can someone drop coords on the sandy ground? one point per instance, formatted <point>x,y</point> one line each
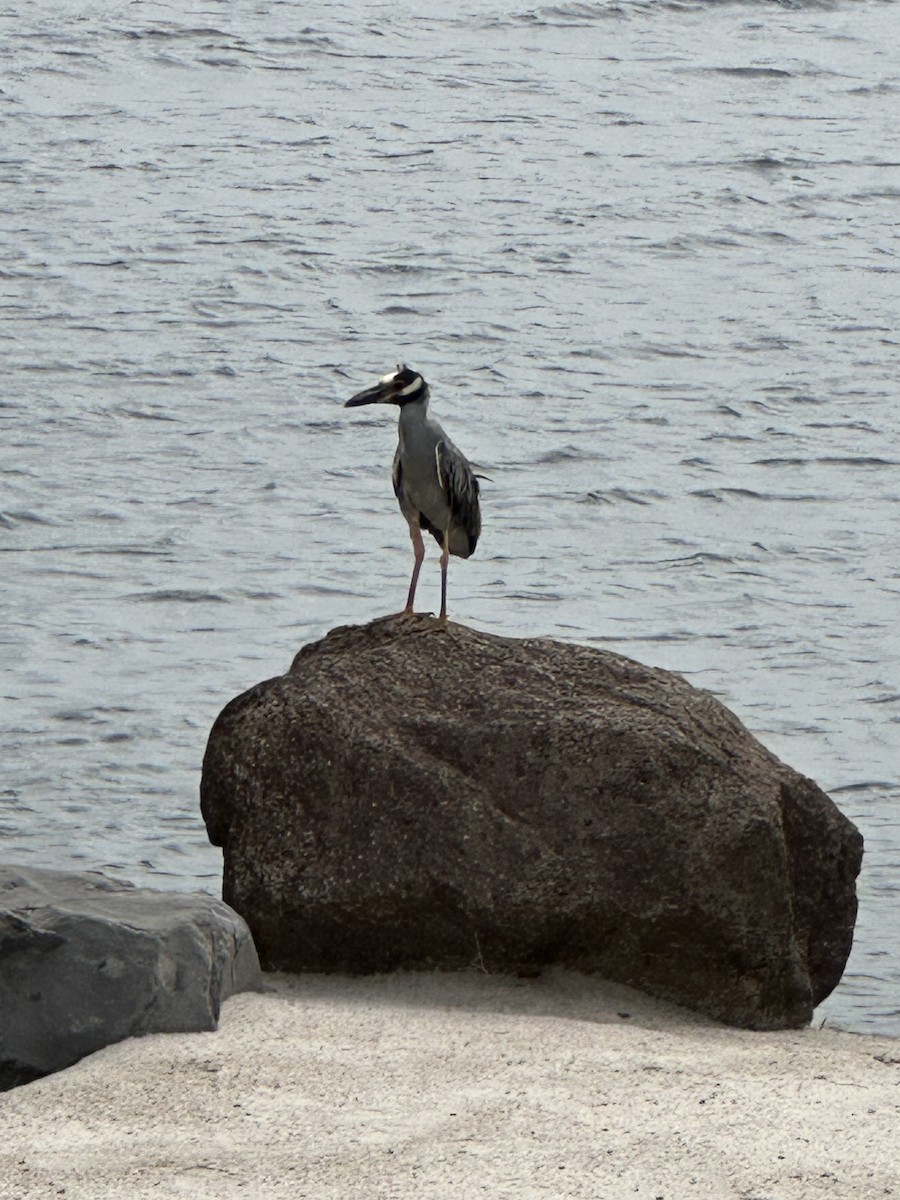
<point>458,1086</point>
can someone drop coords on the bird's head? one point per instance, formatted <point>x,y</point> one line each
<point>403,386</point>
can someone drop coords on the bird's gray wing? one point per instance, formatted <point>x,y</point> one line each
<point>397,476</point>
<point>460,488</point>
<point>408,509</point>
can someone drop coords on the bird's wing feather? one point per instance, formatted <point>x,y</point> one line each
<point>460,487</point>
<point>408,509</point>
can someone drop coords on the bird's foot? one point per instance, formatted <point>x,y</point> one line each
<point>426,620</point>
<point>439,624</point>
<point>411,612</point>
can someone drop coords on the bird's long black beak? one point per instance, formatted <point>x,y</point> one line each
<point>379,393</point>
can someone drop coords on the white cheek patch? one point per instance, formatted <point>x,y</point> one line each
<point>411,387</point>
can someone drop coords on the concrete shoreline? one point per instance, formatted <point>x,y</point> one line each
<point>458,1086</point>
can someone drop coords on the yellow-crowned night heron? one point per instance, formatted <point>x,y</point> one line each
<point>433,482</point>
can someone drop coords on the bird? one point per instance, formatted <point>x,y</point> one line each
<point>433,481</point>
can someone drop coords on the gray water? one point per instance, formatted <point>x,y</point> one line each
<point>645,253</point>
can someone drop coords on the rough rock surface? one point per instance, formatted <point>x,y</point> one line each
<point>86,961</point>
<point>407,796</point>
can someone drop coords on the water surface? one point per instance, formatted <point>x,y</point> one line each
<point>645,253</point>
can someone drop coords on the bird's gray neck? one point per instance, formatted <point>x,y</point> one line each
<point>414,412</point>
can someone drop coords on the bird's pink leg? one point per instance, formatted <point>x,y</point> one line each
<point>415,535</point>
<point>445,558</point>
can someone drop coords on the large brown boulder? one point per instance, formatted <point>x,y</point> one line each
<point>411,796</point>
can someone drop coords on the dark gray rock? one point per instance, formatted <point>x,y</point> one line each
<point>407,797</point>
<point>86,961</point>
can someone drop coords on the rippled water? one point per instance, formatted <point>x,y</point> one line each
<point>645,253</point>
